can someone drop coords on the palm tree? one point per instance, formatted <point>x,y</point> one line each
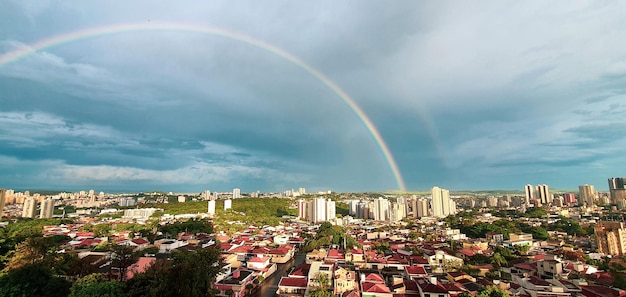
<point>498,260</point>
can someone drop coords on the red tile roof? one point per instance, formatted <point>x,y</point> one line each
<point>241,249</point>
<point>258,260</point>
<point>140,241</point>
<point>415,269</point>
<point>297,282</point>
<point>373,277</point>
<point>375,288</point>
<point>140,267</point>
<point>302,270</point>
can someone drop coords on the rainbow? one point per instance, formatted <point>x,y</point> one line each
<point>154,26</point>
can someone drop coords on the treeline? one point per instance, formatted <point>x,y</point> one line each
<point>510,223</point>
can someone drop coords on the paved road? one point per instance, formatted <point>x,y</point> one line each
<point>270,285</point>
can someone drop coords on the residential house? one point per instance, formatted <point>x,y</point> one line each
<point>373,285</point>
<point>430,287</point>
<point>345,280</point>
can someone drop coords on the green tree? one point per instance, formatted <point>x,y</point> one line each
<point>188,273</point>
<point>493,291</point>
<point>323,281</point>
<point>102,230</point>
<point>33,280</point>
<point>97,285</point>
<point>122,257</point>
<point>498,260</point>
<point>321,293</point>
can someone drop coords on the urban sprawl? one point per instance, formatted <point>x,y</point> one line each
<point>534,242</point>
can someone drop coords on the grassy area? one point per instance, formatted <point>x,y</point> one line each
<point>248,211</point>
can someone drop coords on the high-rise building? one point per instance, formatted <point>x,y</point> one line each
<point>543,194</point>
<point>211,207</point>
<point>301,209</point>
<point>302,191</point>
<point>397,212</point>
<point>569,199</point>
<point>530,193</point>
<point>29,210</point>
<point>354,207</point>
<point>206,195</point>
<point>380,210</point>
<point>3,200</point>
<point>47,208</point>
<point>236,193</point>
<point>320,210</point>
<point>617,189</point>
<point>492,201</point>
<point>441,204</point>
<point>422,207</point>
<point>587,195</point>
<point>611,238</point>
<point>436,202</point>
<point>228,204</point>
<point>331,210</point>
<point>412,207</point>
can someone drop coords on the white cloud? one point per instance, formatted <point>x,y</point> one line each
<point>196,174</point>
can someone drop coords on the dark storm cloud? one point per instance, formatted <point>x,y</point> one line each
<point>492,95</point>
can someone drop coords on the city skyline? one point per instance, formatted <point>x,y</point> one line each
<point>353,97</point>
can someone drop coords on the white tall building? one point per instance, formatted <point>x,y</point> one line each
<point>236,193</point>
<point>211,207</point>
<point>436,202</point>
<point>228,204</point>
<point>331,210</point>
<point>30,208</point>
<point>47,209</point>
<point>441,204</point>
<point>319,210</point>
<point>302,209</point>
<point>302,191</point>
<point>206,195</point>
<point>380,210</point>
<point>397,212</point>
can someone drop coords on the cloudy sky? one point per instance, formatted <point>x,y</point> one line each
<point>480,95</point>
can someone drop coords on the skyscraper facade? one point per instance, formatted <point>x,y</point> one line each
<point>47,208</point>
<point>611,238</point>
<point>441,204</point>
<point>530,193</point>
<point>320,210</point>
<point>380,209</point>
<point>301,209</point>
<point>543,194</point>
<point>29,209</point>
<point>236,193</point>
<point>587,195</point>
<point>617,191</point>
<point>211,207</point>
<point>436,202</point>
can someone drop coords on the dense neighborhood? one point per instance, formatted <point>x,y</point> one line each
<point>145,251</point>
